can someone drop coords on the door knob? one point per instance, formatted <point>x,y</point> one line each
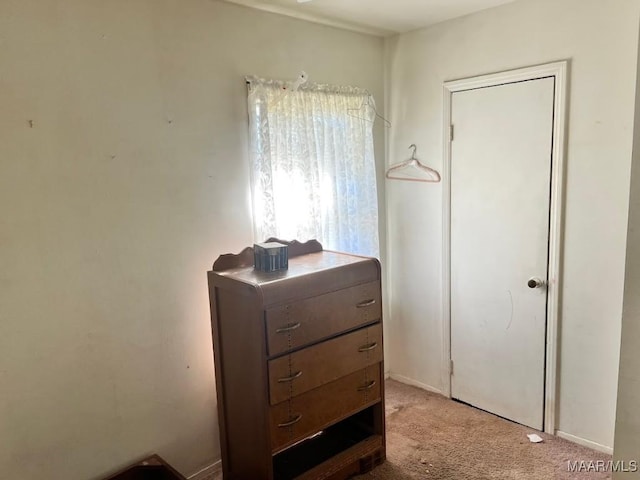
<point>535,282</point>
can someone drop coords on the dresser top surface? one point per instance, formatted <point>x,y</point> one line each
<point>298,266</point>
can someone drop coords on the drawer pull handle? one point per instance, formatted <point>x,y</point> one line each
<point>293,421</point>
<point>367,348</point>
<point>291,378</point>
<point>368,386</point>
<point>288,328</point>
<point>366,303</point>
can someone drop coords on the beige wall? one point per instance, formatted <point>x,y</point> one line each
<point>600,39</point>
<point>627,440</point>
<point>132,180</point>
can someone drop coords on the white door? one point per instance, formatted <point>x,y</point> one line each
<point>500,196</point>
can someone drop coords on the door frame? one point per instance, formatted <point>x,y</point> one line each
<point>559,71</point>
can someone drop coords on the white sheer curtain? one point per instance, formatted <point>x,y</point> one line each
<point>313,166</point>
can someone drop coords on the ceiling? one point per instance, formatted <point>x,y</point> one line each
<point>377,17</point>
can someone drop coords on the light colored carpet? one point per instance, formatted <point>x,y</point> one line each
<point>432,437</point>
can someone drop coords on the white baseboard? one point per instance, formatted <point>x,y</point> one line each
<point>584,442</point>
<point>414,383</point>
<point>207,472</point>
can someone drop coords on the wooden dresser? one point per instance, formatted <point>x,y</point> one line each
<point>299,365</point>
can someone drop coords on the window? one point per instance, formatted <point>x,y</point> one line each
<point>313,166</point>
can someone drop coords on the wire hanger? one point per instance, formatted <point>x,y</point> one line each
<point>412,170</point>
<point>360,112</point>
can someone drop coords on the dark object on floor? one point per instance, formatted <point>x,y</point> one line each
<point>152,468</point>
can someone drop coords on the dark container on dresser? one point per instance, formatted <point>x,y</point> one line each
<point>299,367</point>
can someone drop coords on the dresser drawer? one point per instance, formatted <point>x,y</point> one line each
<point>306,414</point>
<point>307,321</point>
<point>301,371</point>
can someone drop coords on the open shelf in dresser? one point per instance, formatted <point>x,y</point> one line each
<point>333,449</point>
